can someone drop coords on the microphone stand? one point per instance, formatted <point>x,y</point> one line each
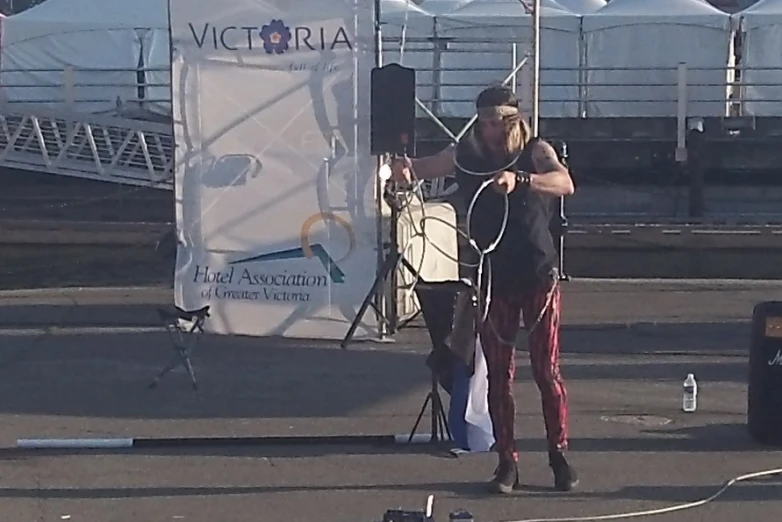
<point>560,228</point>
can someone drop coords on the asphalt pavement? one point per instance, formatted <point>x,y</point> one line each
<point>75,363</point>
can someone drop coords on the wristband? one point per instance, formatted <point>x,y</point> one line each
<point>523,178</point>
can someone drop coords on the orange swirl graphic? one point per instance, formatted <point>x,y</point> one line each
<point>325,216</point>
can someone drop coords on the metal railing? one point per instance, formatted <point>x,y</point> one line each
<point>451,71</point>
<point>449,77</point>
<point>94,90</point>
<point>52,133</point>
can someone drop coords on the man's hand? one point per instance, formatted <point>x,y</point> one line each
<point>400,170</point>
<point>505,182</point>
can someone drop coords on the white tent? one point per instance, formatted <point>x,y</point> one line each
<point>760,49</point>
<point>582,6</point>
<point>483,34</point>
<point>634,47</point>
<point>114,36</point>
<point>407,28</point>
<point>405,13</point>
<point>439,7</point>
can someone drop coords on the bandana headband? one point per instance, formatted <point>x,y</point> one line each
<point>497,112</point>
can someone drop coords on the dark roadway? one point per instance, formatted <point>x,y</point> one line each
<point>627,349</point>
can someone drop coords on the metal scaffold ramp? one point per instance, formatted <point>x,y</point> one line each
<point>95,147</point>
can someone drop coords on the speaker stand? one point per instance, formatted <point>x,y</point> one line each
<point>438,418</point>
<point>561,228</point>
<point>393,258</point>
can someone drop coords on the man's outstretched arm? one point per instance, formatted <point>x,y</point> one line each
<point>426,168</point>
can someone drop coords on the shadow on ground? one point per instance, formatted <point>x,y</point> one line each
<point>105,375</point>
<point>99,374</point>
<point>764,489</point>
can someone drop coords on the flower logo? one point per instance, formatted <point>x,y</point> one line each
<point>276,36</point>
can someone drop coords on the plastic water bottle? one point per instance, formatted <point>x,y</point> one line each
<point>690,402</point>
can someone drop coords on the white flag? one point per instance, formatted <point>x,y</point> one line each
<point>480,431</point>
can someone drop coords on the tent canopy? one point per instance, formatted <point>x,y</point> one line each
<point>408,19</point>
<point>763,6</point>
<point>582,6</point>
<point>481,53</point>
<point>762,75</point>
<point>640,44</point>
<point>765,12</point>
<point>401,9</point>
<point>104,42</point>
<point>438,7</point>
<point>511,15</point>
<point>62,16</point>
<point>682,12</point>
<point>406,13</point>
<point>500,8</point>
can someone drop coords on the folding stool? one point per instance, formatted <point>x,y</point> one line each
<point>184,329</point>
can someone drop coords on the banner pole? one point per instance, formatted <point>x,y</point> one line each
<point>380,296</point>
<point>536,69</point>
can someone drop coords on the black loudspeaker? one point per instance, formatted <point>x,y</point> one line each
<point>393,110</point>
<point>764,404</point>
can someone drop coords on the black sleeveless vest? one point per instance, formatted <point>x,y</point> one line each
<point>526,256</point>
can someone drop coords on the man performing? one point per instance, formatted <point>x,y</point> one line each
<point>524,279</point>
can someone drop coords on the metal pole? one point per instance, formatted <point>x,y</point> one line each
<point>438,47</point>
<point>583,93</point>
<point>681,113</point>
<point>536,68</point>
<point>380,297</point>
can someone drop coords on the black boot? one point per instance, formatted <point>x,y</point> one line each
<point>506,477</point>
<point>565,477</point>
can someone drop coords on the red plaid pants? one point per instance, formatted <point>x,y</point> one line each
<point>505,313</point>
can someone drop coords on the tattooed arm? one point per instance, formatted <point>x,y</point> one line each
<point>553,178</point>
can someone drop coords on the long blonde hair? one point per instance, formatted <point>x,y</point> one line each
<point>517,132</point>
<point>517,135</point>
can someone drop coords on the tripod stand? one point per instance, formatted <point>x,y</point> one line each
<point>393,258</point>
<point>440,430</point>
<point>437,302</point>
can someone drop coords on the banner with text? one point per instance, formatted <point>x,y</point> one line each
<point>275,207</point>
